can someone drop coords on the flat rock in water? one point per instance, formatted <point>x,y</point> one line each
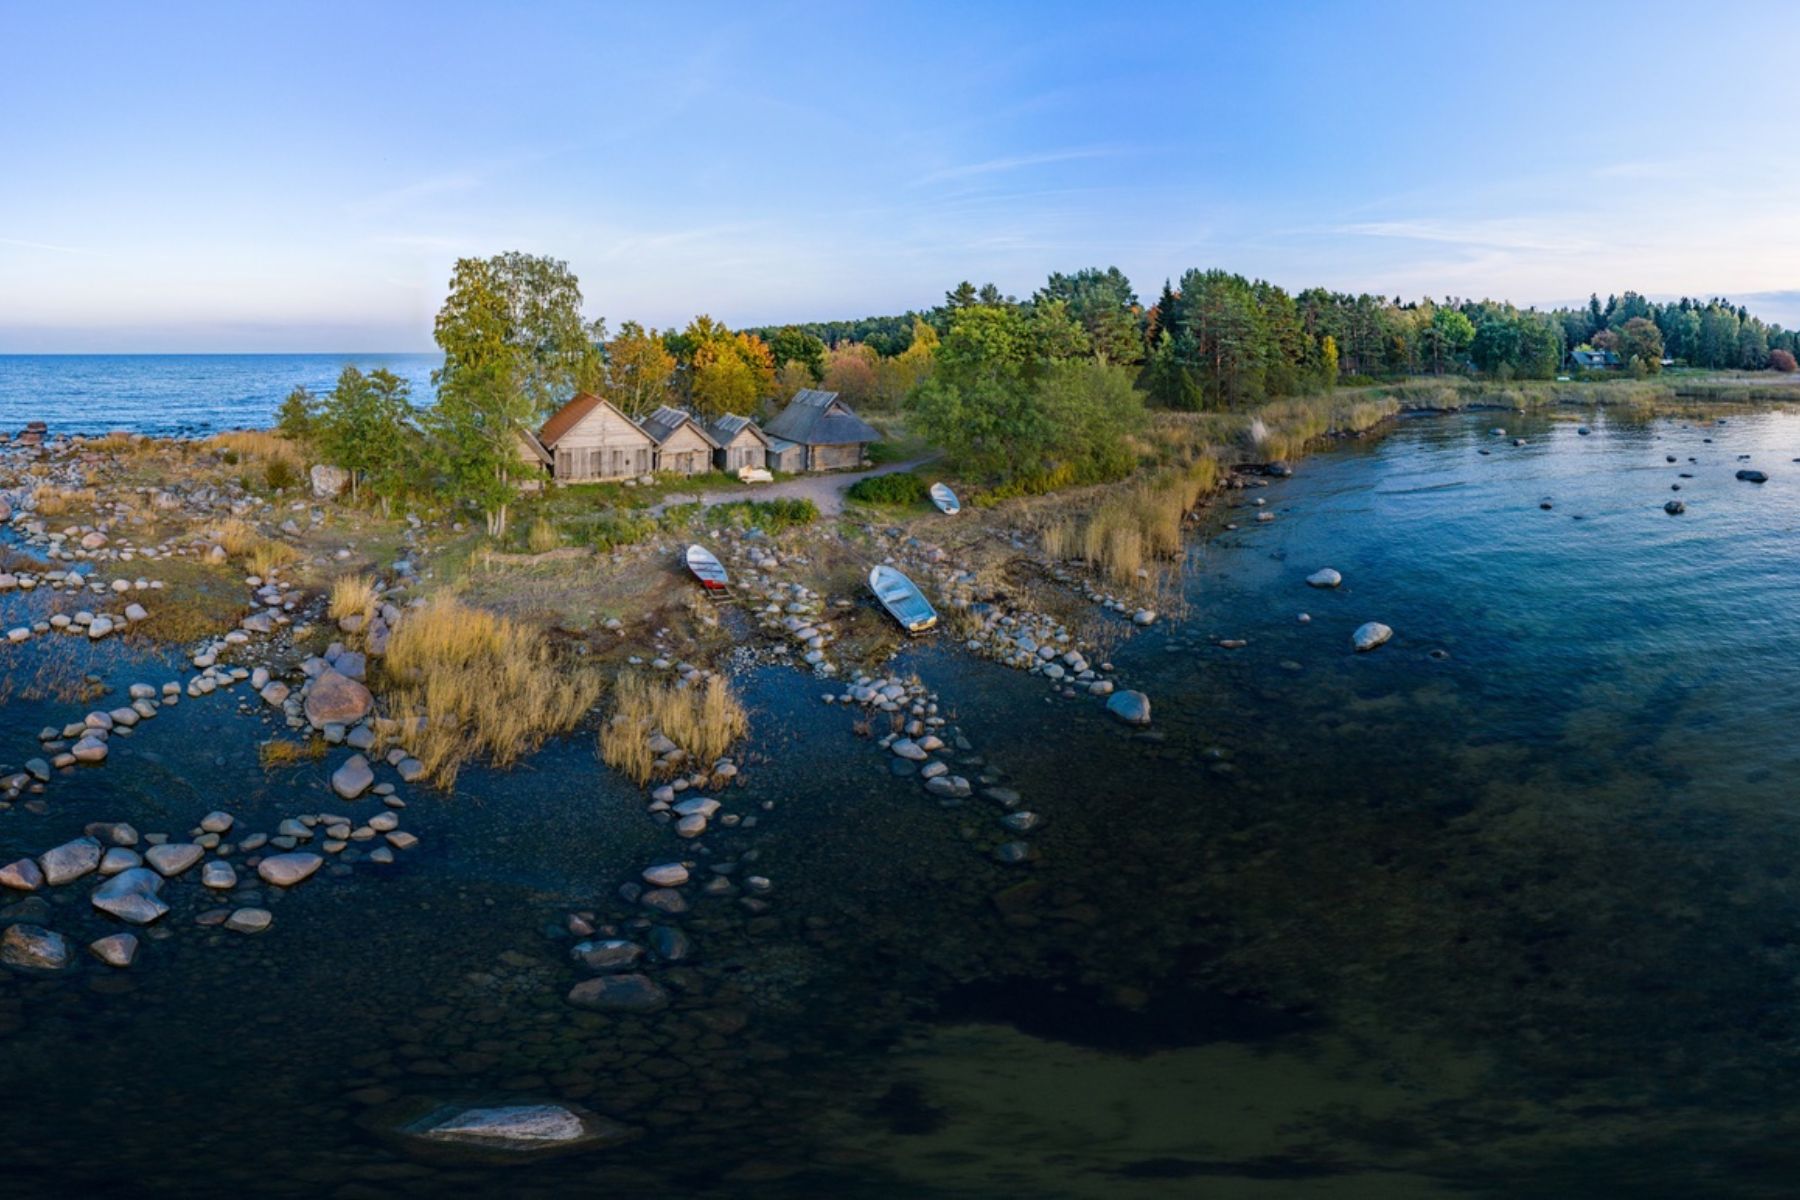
<point>285,870</point>
<point>132,896</point>
<point>172,858</point>
<point>353,778</point>
<point>1131,707</point>
<point>34,948</point>
<point>513,1130</point>
<point>619,993</point>
<point>1752,476</point>
<point>249,920</point>
<point>115,949</point>
<point>1325,577</point>
<point>1370,635</point>
<point>22,876</point>
<point>71,860</point>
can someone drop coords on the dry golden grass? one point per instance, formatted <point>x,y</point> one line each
<point>118,444</point>
<point>351,596</point>
<point>52,501</point>
<point>281,752</point>
<point>258,444</point>
<point>260,555</point>
<point>469,682</point>
<point>703,721</point>
<point>269,556</point>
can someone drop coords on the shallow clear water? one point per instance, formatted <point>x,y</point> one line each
<point>164,394</point>
<point>1518,920</point>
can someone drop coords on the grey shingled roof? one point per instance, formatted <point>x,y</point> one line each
<point>730,425</point>
<point>665,421</point>
<point>809,420</point>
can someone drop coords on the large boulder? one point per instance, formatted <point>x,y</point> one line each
<point>328,481</point>
<point>336,699</point>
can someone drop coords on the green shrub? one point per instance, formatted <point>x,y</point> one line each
<point>770,516</point>
<point>899,488</point>
<point>280,474</point>
<point>614,529</point>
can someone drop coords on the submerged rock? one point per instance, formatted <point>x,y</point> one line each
<point>1131,707</point>
<point>34,948</point>
<point>619,993</point>
<point>1370,635</point>
<point>498,1132</point>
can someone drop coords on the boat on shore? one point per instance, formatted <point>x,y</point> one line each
<point>903,600</point>
<point>945,499</point>
<point>708,569</point>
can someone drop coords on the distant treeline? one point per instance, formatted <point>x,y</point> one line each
<point>1213,339</point>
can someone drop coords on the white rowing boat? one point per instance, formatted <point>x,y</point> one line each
<point>707,569</point>
<point>945,499</point>
<point>902,599</point>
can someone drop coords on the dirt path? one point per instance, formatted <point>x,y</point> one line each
<point>826,491</point>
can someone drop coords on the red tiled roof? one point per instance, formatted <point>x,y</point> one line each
<point>567,417</point>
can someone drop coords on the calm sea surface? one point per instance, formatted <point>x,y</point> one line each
<point>176,393</point>
<point>1510,907</point>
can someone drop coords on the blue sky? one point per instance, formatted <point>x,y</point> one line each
<point>179,177</point>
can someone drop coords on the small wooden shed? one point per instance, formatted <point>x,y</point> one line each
<point>591,440</point>
<point>741,443</point>
<point>832,437</point>
<point>683,447</point>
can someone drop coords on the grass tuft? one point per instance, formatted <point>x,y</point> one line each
<point>703,721</point>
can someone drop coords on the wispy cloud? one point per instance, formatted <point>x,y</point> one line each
<point>1496,234</point>
<point>28,245</point>
<point>1019,162</point>
<point>396,199</point>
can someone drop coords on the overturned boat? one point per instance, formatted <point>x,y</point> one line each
<point>902,599</point>
<point>708,569</point>
<point>945,499</point>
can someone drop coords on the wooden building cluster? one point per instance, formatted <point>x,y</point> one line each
<point>590,440</point>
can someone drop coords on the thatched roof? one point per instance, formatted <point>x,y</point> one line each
<point>815,418</point>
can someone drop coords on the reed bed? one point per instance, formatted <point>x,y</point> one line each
<point>703,721</point>
<point>468,682</point>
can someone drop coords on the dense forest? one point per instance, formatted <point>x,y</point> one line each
<point>1218,340</point>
